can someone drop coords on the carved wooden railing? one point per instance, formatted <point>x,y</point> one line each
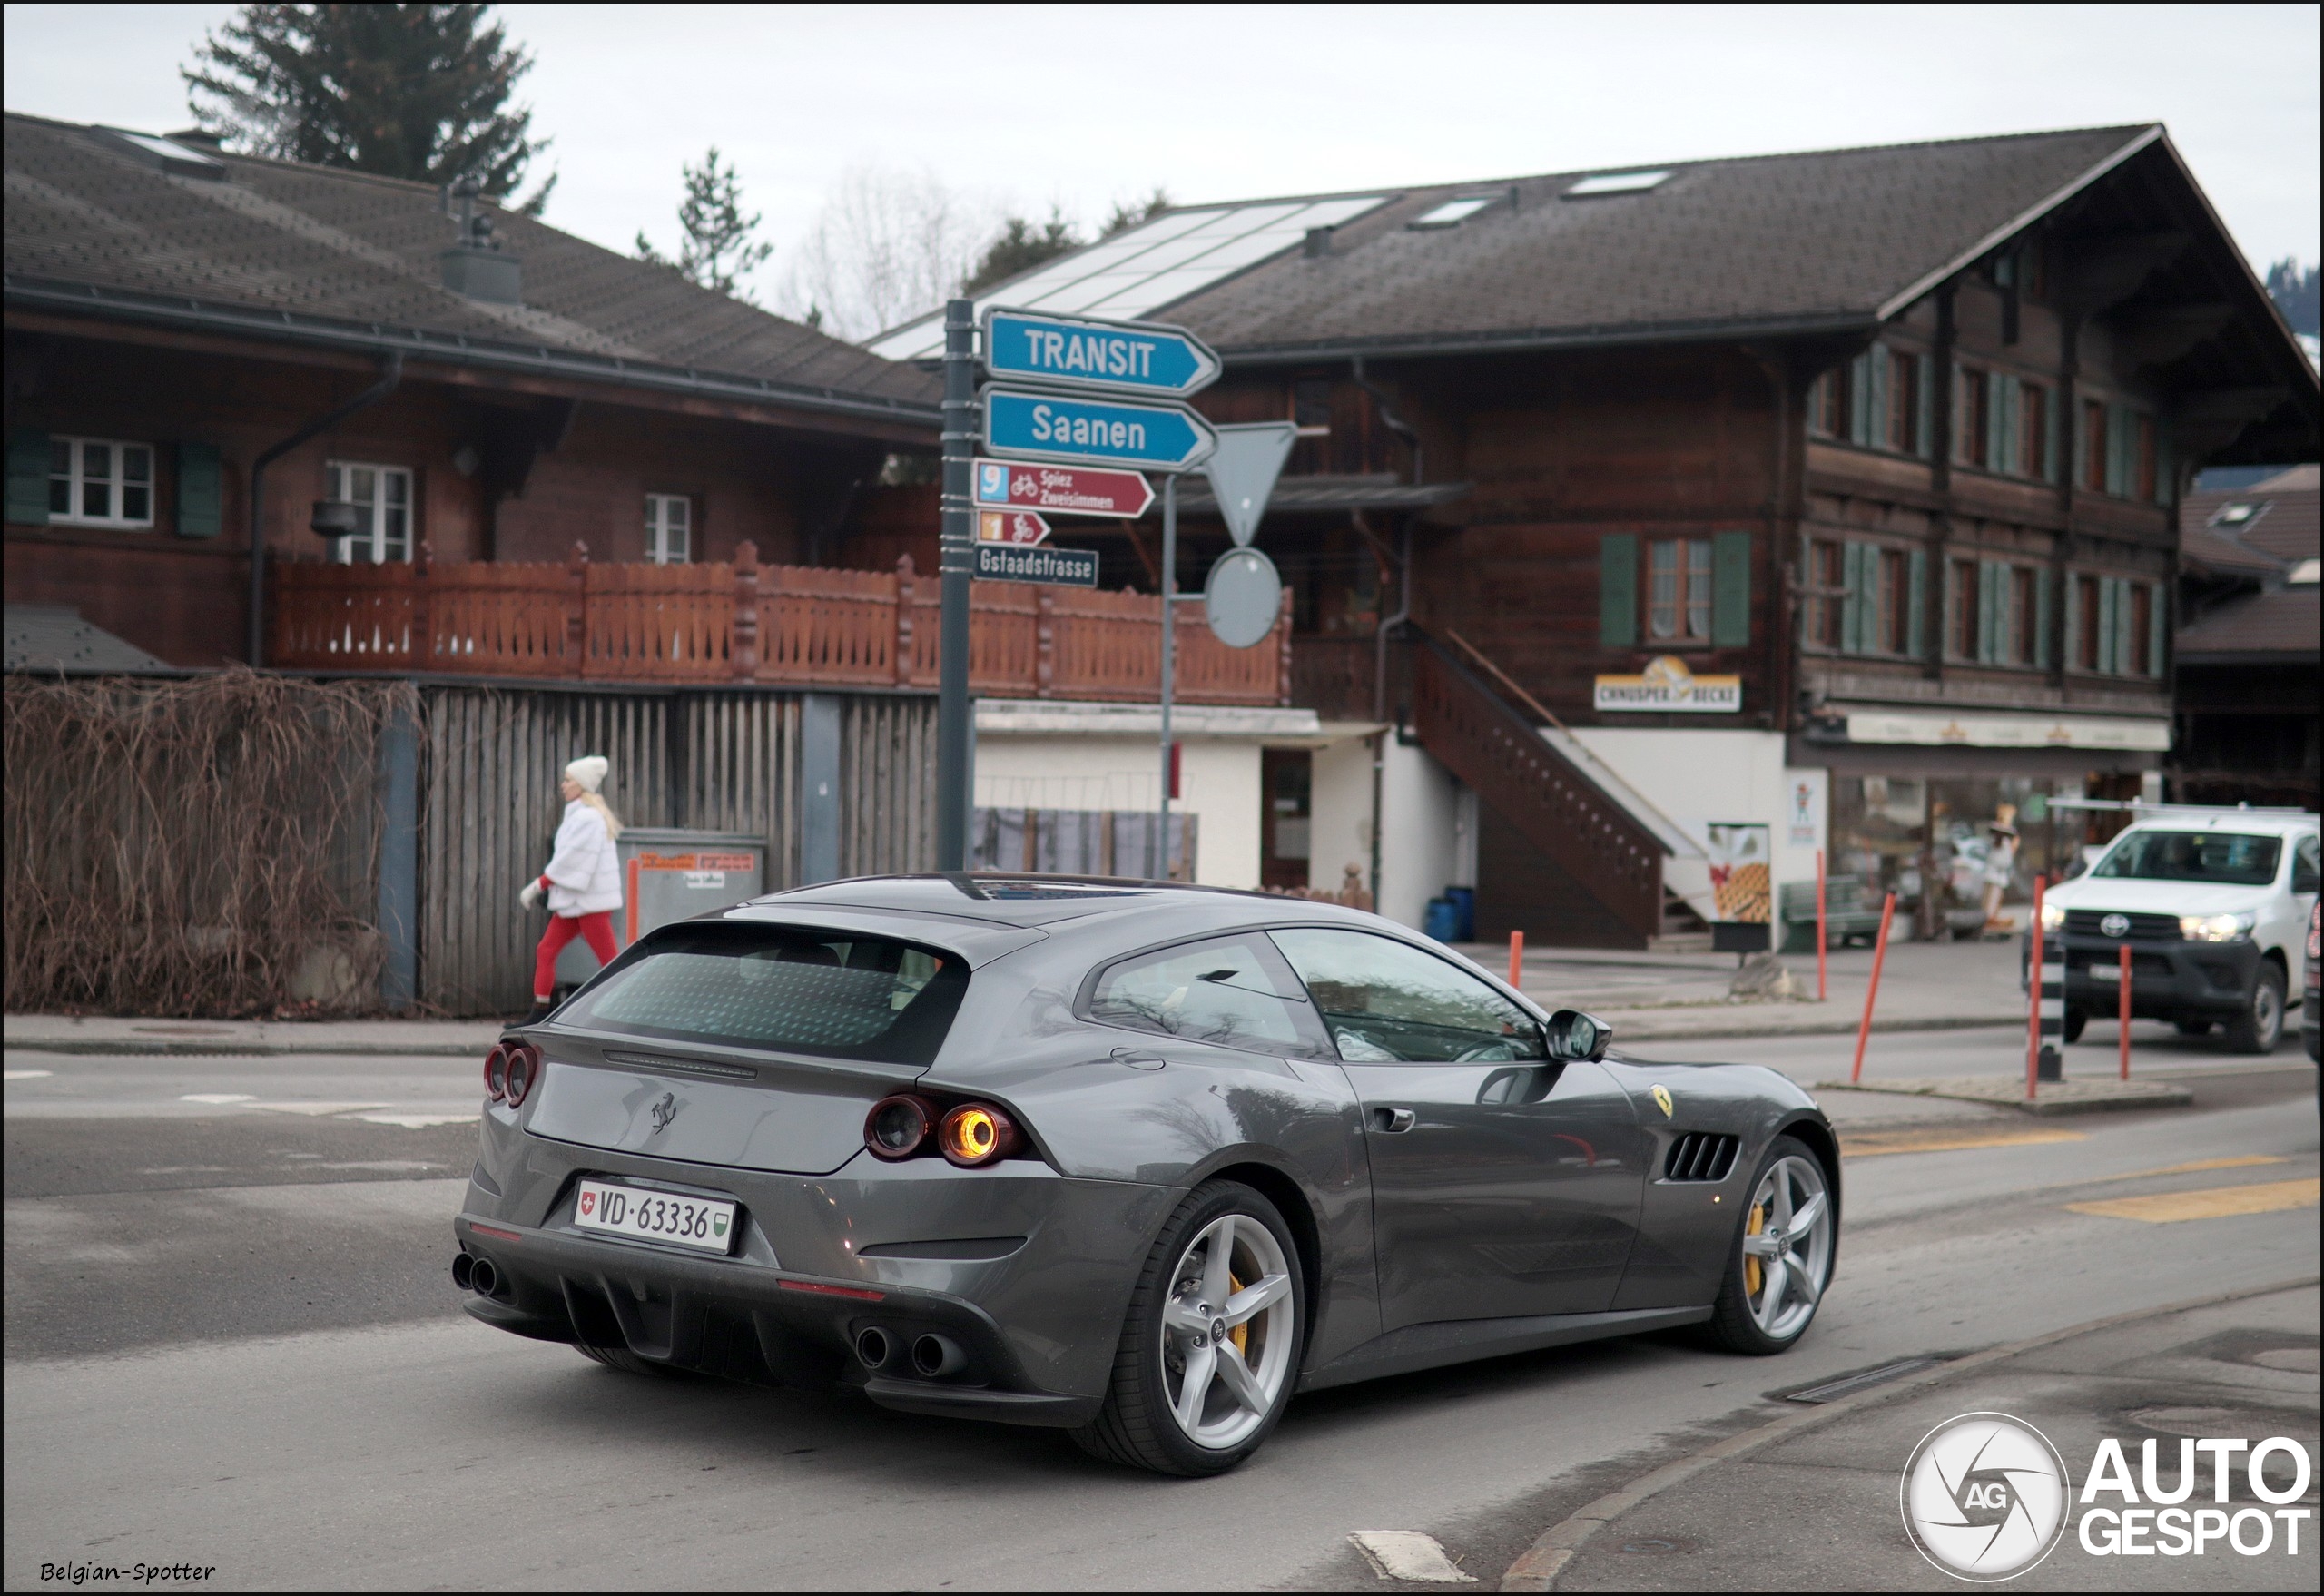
<point>790,626</point>
<point>1569,817</point>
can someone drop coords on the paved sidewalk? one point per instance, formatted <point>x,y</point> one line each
<point>1810,1500</point>
<point>60,1033</point>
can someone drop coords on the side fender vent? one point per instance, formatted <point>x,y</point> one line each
<point>1701,1155</point>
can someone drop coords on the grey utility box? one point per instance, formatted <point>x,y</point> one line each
<point>668,874</point>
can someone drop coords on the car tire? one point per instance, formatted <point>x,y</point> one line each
<point>1742,1319</point>
<point>2075,1020</point>
<point>2258,1025</point>
<point>626,1361</point>
<point>1140,1424</point>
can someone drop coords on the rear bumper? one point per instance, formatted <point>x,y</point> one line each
<point>2168,979</point>
<point>734,1318</point>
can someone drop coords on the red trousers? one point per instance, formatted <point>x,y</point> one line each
<point>596,929</point>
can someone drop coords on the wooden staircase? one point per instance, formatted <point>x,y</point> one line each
<point>1603,851</point>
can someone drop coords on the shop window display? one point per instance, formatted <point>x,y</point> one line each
<point>1961,855</point>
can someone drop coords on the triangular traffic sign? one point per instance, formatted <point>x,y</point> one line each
<point>1243,469</point>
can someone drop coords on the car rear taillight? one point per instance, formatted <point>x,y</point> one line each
<point>496,1072</point>
<point>524,1069</point>
<point>897,1127</point>
<point>976,1134</point>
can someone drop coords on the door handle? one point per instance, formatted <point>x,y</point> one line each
<point>1394,1121</point>
<point>1137,1059</point>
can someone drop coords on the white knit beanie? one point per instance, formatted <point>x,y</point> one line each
<point>589,770</point>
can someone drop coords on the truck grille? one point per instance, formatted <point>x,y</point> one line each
<point>2144,928</point>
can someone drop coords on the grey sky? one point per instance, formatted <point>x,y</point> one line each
<point>1082,105</point>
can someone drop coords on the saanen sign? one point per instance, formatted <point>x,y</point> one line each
<point>1667,686</point>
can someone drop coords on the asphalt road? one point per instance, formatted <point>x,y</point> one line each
<point>231,1342</point>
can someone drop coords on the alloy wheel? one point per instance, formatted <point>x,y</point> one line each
<point>1229,1335</point>
<point>1787,1247</point>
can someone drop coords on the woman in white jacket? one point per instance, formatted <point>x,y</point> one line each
<point>583,880</point>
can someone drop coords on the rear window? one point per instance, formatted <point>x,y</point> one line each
<point>2229,859</point>
<point>784,988</point>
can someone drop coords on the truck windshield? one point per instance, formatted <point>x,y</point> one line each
<point>791,989</point>
<point>2227,859</point>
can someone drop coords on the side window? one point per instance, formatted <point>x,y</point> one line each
<point>2303,866</point>
<point>1232,993</point>
<point>1384,1002</point>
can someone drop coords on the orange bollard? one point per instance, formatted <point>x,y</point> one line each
<point>2034,992</point>
<point>1517,959</point>
<point>1821,992</point>
<point>1879,954</point>
<point>2125,1001</point>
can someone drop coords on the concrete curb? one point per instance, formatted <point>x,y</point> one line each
<point>1538,1566</point>
<point>2096,1097</point>
<point>1821,1027</point>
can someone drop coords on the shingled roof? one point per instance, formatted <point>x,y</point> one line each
<point>291,250</point>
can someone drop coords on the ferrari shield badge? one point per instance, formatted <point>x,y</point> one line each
<point>1662,1100</point>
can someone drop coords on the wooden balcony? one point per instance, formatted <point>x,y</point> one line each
<point>746,623</point>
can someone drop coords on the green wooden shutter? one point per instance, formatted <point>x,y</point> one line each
<point>2157,628</point>
<point>1876,416</point>
<point>2071,648</point>
<point>1988,612</point>
<point>202,494</point>
<point>1996,444</point>
<point>1860,399</point>
<point>1852,606</point>
<point>2013,413</point>
<point>28,477</point>
<point>1916,601</point>
<point>2122,448</point>
<point>1925,409</point>
<point>1730,590</point>
<point>2059,446</point>
<point>2107,634</point>
<point>2125,656</point>
<point>2044,589</point>
<point>2165,483</point>
<point>1617,591</point>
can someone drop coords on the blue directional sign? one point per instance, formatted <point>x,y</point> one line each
<point>1121,357</point>
<point>1054,426</point>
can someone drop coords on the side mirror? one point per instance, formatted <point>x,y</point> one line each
<point>1575,1035</point>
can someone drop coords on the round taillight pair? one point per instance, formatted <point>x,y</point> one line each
<point>509,1071</point>
<point>969,1136</point>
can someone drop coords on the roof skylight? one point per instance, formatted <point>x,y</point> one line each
<point>1453,212</point>
<point>1616,182</point>
<point>2304,573</point>
<point>2239,512</point>
<point>1148,267</point>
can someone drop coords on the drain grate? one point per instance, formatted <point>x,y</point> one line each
<point>1849,1385</point>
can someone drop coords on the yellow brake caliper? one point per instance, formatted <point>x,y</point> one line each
<point>1240,1334</point>
<point>1755,1223</point>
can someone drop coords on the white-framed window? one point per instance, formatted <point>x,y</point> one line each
<point>381,496</point>
<point>100,482</point>
<point>669,529</point>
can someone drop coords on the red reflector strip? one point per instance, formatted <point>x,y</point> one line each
<point>495,1235</point>
<point>817,1285</point>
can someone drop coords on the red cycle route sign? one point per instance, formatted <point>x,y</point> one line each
<point>1011,527</point>
<point>1068,490</point>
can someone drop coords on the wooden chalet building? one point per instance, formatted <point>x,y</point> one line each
<point>1832,493</point>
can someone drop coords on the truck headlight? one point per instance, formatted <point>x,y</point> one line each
<point>2053,918</point>
<point>2218,928</point>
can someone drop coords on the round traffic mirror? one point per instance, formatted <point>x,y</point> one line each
<point>1242,597</point>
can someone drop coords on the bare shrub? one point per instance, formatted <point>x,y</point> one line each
<point>197,847</point>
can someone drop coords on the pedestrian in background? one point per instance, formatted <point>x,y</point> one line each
<point>583,880</point>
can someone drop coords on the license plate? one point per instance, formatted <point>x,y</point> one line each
<point>2105,971</point>
<point>655,1216</point>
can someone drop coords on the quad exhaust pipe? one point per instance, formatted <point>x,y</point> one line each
<point>477,1275</point>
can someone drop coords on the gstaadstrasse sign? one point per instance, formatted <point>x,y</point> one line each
<point>1667,686</point>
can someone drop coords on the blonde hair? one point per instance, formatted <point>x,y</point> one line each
<point>613,820</point>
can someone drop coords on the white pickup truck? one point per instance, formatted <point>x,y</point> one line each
<point>2213,904</point>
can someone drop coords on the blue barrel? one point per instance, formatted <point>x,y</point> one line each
<point>1442,920</point>
<point>1464,908</point>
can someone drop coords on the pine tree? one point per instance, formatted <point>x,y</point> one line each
<point>1020,247</point>
<point>412,91</point>
<point>1128,214</point>
<point>718,249</point>
<point>2293,288</point>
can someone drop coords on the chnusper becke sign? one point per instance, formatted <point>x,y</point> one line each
<point>1667,686</point>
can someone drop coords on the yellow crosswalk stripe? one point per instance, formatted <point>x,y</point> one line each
<point>1873,1144</point>
<point>2240,1161</point>
<point>2218,1202</point>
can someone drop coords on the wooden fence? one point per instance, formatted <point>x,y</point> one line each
<point>746,623</point>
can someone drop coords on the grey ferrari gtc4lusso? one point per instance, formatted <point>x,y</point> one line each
<point>1133,1159</point>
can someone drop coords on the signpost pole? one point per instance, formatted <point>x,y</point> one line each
<point>958,539</point>
<point>1170,603</point>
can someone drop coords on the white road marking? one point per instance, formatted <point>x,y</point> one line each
<point>316,1110</point>
<point>26,1074</point>
<point>1407,1554</point>
<point>217,1099</point>
<point>418,1121</point>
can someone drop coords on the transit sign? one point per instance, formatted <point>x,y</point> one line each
<point>1061,490</point>
<point>1018,527</point>
<point>1072,351</point>
<point>1070,567</point>
<point>1161,436</point>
